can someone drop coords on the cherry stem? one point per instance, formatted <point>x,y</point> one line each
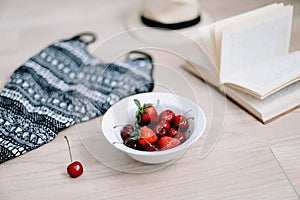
<point>192,118</point>
<point>189,133</point>
<point>116,143</point>
<point>147,141</point>
<point>157,103</point>
<point>187,112</point>
<point>116,126</point>
<point>69,148</point>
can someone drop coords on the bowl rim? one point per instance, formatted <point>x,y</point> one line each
<point>193,137</point>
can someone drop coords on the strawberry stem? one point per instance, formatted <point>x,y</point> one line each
<point>70,154</point>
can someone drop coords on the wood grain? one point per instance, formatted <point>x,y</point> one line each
<point>238,157</point>
<point>288,158</point>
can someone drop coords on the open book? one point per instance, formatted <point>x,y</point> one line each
<point>248,60</point>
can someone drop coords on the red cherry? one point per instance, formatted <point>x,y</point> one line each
<point>161,129</point>
<point>181,122</point>
<point>166,125</point>
<point>131,143</point>
<point>74,169</point>
<point>172,132</point>
<point>126,131</point>
<point>181,137</point>
<point>153,147</point>
<point>166,115</point>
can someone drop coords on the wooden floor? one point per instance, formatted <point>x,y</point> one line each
<point>238,157</point>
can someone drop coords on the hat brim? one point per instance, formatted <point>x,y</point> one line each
<point>159,35</point>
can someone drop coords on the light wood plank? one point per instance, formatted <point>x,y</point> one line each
<point>249,161</point>
<point>289,159</point>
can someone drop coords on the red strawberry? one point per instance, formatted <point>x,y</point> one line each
<point>168,142</point>
<point>145,114</point>
<point>147,136</point>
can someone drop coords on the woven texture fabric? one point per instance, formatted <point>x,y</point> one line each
<point>60,86</point>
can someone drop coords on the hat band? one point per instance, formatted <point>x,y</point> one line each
<point>174,26</point>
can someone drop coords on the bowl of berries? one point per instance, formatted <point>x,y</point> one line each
<point>153,127</point>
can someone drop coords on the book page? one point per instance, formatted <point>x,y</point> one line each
<point>270,107</point>
<point>268,77</point>
<point>218,26</point>
<point>202,63</point>
<point>204,37</point>
<point>208,75</point>
<point>250,42</point>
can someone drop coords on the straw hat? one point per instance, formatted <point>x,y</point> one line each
<point>161,16</point>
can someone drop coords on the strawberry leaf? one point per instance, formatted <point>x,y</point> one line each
<point>137,102</point>
<point>138,117</point>
<point>135,135</point>
<point>141,110</point>
<point>147,105</point>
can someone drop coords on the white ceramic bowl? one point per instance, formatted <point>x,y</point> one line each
<point>123,113</point>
